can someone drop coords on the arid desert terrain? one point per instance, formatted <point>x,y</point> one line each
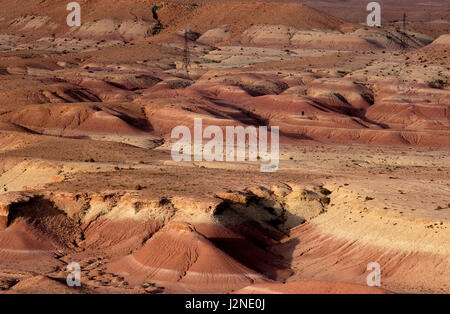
<point>87,175</point>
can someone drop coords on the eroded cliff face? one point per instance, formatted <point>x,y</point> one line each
<point>255,237</point>
<point>218,244</point>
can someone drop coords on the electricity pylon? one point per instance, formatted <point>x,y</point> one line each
<point>186,54</point>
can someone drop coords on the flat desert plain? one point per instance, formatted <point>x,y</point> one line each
<point>86,168</point>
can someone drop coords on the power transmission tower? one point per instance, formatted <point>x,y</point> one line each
<point>186,54</point>
<point>404,22</point>
<point>403,45</point>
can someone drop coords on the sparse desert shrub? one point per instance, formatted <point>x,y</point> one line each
<point>164,201</point>
<point>438,84</point>
<point>325,200</point>
<point>324,191</point>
